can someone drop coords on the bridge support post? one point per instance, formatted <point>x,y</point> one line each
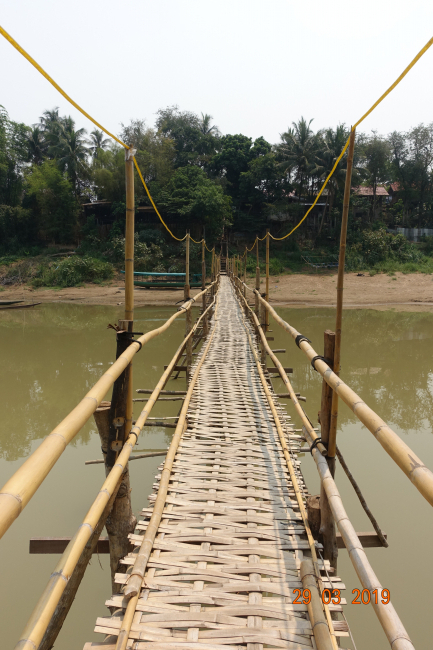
<point>256,298</point>
<point>332,447</point>
<point>113,430</point>
<point>327,524</point>
<point>188,315</point>
<point>267,281</point>
<point>203,283</point>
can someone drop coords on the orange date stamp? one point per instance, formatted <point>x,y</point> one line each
<point>333,596</point>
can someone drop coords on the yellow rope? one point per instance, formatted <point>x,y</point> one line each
<point>385,94</point>
<point>13,42</point>
<point>30,59</point>
<point>153,203</point>
<point>18,47</point>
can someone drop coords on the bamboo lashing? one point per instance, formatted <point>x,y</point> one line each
<point>42,613</point>
<point>19,489</point>
<point>388,617</point>
<point>332,443</point>
<point>402,454</point>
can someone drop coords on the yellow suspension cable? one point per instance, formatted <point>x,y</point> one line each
<point>370,110</point>
<point>13,42</point>
<point>153,203</point>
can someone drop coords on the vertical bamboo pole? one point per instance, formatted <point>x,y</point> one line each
<point>257,302</point>
<point>129,234</point>
<point>327,524</point>
<point>129,270</point>
<point>245,271</point>
<point>332,444</point>
<point>188,315</point>
<point>267,281</point>
<point>203,283</point>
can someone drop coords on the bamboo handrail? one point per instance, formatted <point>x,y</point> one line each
<point>420,475</point>
<point>40,618</point>
<point>133,586</point>
<point>388,617</point>
<point>19,489</point>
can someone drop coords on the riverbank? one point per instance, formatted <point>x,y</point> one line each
<point>402,292</point>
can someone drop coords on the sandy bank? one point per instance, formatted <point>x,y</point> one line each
<point>412,292</point>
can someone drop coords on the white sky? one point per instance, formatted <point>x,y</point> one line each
<point>254,65</point>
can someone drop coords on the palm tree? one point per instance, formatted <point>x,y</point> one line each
<point>297,152</point>
<point>205,126</point>
<point>332,145</point>
<point>37,145</point>
<point>97,142</point>
<point>71,151</point>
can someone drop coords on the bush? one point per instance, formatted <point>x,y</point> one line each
<point>275,266</point>
<point>73,271</point>
<point>377,246</point>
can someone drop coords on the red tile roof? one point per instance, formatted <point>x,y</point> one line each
<point>368,191</point>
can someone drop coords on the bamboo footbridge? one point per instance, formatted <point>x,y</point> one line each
<point>232,540</point>
<point>233,552</point>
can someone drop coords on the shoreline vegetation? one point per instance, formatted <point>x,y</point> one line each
<point>62,190</point>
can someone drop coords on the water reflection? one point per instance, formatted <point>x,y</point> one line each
<point>387,358</point>
<point>52,356</point>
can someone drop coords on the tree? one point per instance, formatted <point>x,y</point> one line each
<point>333,142</point>
<point>193,146</point>
<point>298,153</point>
<point>97,142</point>
<point>71,152</point>
<point>37,145</point>
<point>376,153</point>
<point>13,157</point>
<point>191,196</point>
<point>53,200</point>
<point>205,125</point>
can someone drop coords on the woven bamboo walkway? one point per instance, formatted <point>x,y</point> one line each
<point>227,555</point>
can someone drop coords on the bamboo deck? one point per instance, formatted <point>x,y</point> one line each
<point>229,547</point>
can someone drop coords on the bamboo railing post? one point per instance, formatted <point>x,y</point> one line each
<point>188,315</point>
<point>245,271</point>
<point>332,445</point>
<point>267,281</point>
<point>129,275</point>
<point>203,283</point>
<point>129,234</point>
<point>327,524</point>
<point>256,298</point>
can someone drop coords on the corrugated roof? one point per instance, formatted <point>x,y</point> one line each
<point>368,191</point>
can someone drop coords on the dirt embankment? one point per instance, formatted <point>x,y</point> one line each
<point>412,292</point>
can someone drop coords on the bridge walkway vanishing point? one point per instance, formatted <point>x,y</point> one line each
<point>232,544</point>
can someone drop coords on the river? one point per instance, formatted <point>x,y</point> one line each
<point>50,356</point>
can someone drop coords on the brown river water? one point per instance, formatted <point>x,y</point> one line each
<point>51,356</point>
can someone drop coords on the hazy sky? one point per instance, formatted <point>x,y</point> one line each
<point>254,65</point>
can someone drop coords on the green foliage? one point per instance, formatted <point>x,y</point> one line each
<point>53,201</point>
<point>377,246</point>
<point>17,229</point>
<point>73,271</point>
<point>190,195</point>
